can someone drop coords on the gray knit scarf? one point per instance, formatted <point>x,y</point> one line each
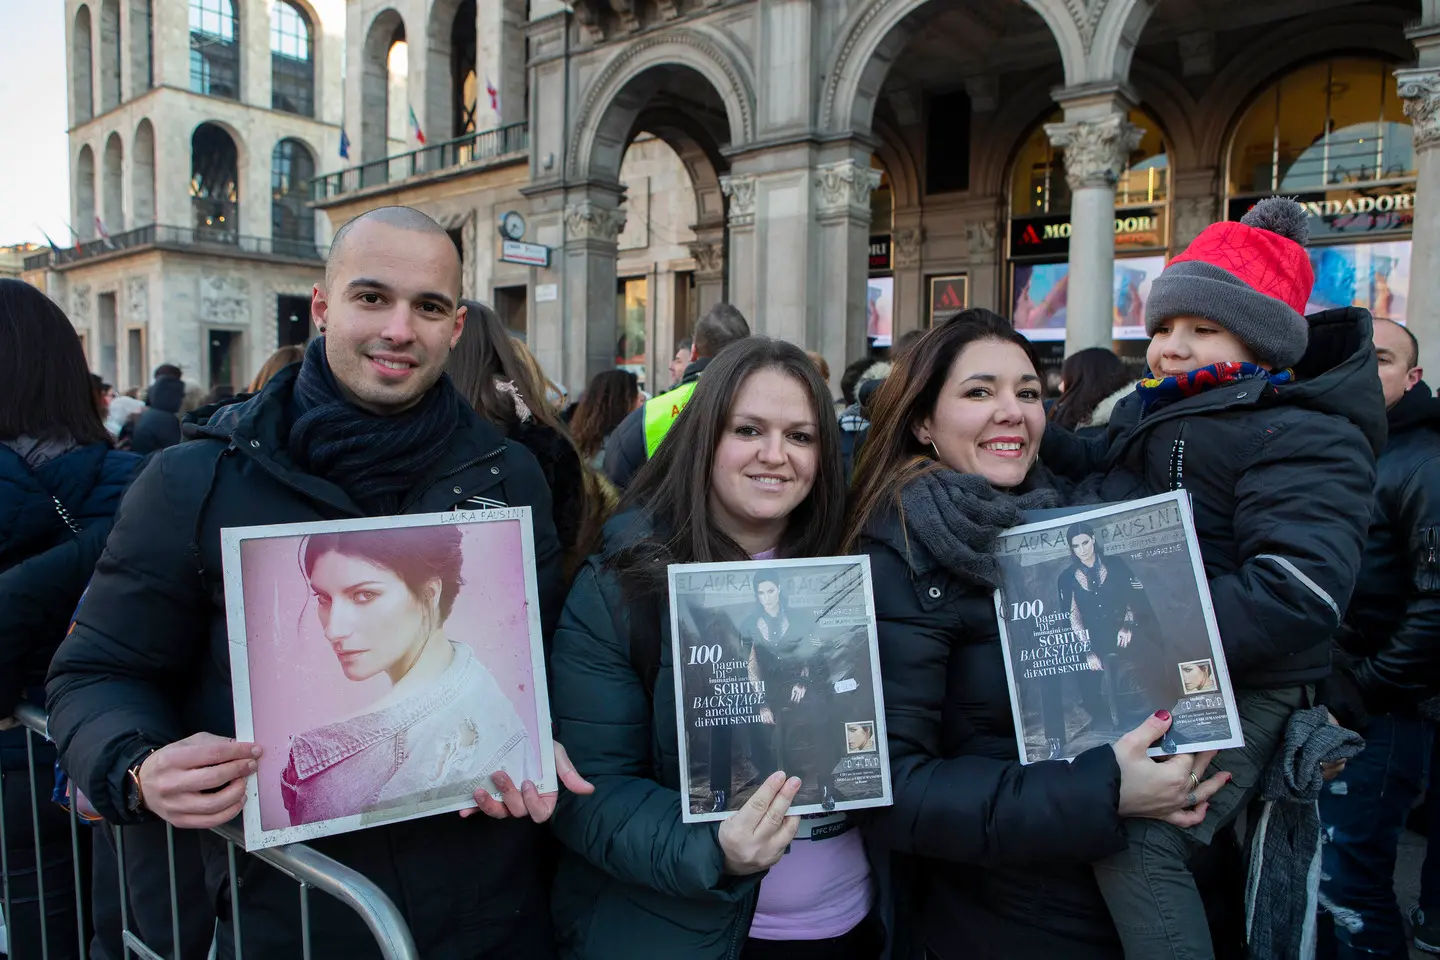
<point>1283,888</point>
<point>375,459</point>
<point>958,516</point>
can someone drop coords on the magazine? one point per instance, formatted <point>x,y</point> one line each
<point>387,666</point>
<point>777,668</point>
<point>1105,618</point>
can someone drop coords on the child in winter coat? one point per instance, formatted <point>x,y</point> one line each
<point>1272,423</point>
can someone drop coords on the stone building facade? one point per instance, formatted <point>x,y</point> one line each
<point>195,129</point>
<point>863,167</point>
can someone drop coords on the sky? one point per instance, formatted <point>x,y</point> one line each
<point>34,151</point>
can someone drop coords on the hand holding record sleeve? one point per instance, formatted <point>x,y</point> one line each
<point>756,837</point>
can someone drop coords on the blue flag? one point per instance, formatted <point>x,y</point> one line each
<point>344,144</point>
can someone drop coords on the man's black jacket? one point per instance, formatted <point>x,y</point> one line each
<point>147,663</point>
<point>625,450</point>
<point>1391,638</point>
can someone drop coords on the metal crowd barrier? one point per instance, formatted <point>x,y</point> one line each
<point>310,869</point>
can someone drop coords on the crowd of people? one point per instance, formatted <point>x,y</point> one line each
<point>1309,446</point>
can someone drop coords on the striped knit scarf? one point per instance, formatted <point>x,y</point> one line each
<point>1154,390</point>
<point>375,459</point>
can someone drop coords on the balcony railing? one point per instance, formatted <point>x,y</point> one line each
<point>482,147</point>
<point>207,239</point>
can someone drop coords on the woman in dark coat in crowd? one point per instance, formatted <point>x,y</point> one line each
<point>636,881</point>
<point>1001,851</point>
<point>611,396</point>
<point>60,482</point>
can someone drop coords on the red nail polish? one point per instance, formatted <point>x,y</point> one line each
<point>1162,714</point>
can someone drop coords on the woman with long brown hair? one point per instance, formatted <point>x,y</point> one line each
<point>949,462</point>
<point>608,400</point>
<point>505,387</point>
<point>750,470</point>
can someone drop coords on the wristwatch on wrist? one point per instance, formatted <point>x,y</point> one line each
<point>134,792</point>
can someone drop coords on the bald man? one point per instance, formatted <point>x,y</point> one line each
<point>1386,661</point>
<point>365,426</point>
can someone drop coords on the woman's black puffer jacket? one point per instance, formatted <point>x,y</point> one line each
<point>1002,851</point>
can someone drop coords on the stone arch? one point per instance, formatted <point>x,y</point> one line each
<point>1166,99</point>
<point>1116,32</point>
<point>83,82</point>
<point>111,55</point>
<point>85,193</point>
<point>625,84</point>
<point>894,153</point>
<point>697,147</point>
<point>112,191</point>
<point>876,33</point>
<point>142,175</point>
<point>386,29</point>
<point>1012,124</point>
<point>1257,66</point>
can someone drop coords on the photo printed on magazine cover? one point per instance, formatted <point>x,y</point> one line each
<point>776,668</point>
<point>388,667</point>
<point>1105,616</point>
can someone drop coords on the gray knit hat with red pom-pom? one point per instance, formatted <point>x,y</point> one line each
<point>1252,277</point>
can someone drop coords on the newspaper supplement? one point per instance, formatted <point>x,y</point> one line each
<point>777,668</point>
<point>1105,618</point>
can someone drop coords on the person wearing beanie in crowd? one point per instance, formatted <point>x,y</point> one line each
<point>855,419</point>
<point>1272,422</point>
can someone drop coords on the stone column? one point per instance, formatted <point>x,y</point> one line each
<point>1420,89</point>
<point>739,190</point>
<point>906,246</point>
<point>592,225</point>
<point>1097,140</point>
<point>842,214</point>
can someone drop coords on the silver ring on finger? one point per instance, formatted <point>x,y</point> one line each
<point>1194,781</point>
<point>1191,800</point>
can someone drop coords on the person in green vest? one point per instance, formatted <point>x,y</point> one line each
<point>637,437</point>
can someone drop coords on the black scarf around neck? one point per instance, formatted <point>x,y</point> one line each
<point>375,459</point>
<point>958,516</point>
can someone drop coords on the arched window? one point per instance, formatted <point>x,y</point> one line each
<point>113,185</point>
<point>214,184</point>
<point>1338,123</point>
<point>292,224</point>
<point>214,49</point>
<point>110,55</point>
<point>292,61</point>
<point>464,85</point>
<point>142,176</point>
<point>80,56</point>
<point>85,194</point>
<point>1334,135</point>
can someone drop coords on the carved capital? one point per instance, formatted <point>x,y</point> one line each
<point>980,238</point>
<point>741,191</point>
<point>709,259</point>
<point>587,220</point>
<point>844,185</point>
<point>1192,215</point>
<point>906,244</point>
<point>1420,89</point>
<point>1096,151</point>
<point>587,12</point>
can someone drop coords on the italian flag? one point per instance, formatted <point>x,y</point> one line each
<point>415,127</point>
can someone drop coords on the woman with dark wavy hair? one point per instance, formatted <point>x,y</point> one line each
<point>1092,381</point>
<point>608,400</point>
